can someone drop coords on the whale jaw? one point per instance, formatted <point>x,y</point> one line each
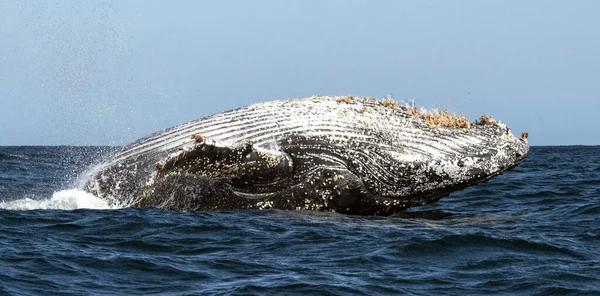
<point>427,180</point>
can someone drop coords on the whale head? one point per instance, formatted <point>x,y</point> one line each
<point>343,154</point>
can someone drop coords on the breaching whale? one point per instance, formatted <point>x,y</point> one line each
<point>349,155</point>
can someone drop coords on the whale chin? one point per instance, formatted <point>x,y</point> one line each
<point>343,154</point>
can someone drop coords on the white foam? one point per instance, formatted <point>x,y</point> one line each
<point>71,199</point>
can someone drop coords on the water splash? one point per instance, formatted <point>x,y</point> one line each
<point>71,199</point>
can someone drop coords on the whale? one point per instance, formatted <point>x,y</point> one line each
<point>345,154</point>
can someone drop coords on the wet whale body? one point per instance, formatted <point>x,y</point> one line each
<point>344,154</point>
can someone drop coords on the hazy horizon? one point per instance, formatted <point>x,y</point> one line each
<point>109,72</point>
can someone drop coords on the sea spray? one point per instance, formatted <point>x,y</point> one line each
<point>70,199</point>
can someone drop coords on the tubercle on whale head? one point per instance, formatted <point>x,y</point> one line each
<point>433,118</point>
<point>198,138</point>
<point>437,118</point>
<point>516,151</point>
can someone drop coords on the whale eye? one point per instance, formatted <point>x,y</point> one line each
<point>251,156</point>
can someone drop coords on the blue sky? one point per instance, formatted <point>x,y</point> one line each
<point>109,72</point>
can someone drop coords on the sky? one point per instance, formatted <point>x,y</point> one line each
<point>109,72</point>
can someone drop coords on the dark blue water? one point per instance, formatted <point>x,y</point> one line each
<point>534,230</point>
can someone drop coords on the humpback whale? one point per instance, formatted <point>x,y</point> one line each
<point>345,154</point>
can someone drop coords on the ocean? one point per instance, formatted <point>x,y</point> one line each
<point>534,230</point>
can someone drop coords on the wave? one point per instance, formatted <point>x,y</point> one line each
<point>70,199</point>
<point>10,156</point>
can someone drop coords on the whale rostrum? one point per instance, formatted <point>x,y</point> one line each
<point>344,154</point>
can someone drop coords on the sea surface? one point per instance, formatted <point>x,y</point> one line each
<point>534,231</point>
